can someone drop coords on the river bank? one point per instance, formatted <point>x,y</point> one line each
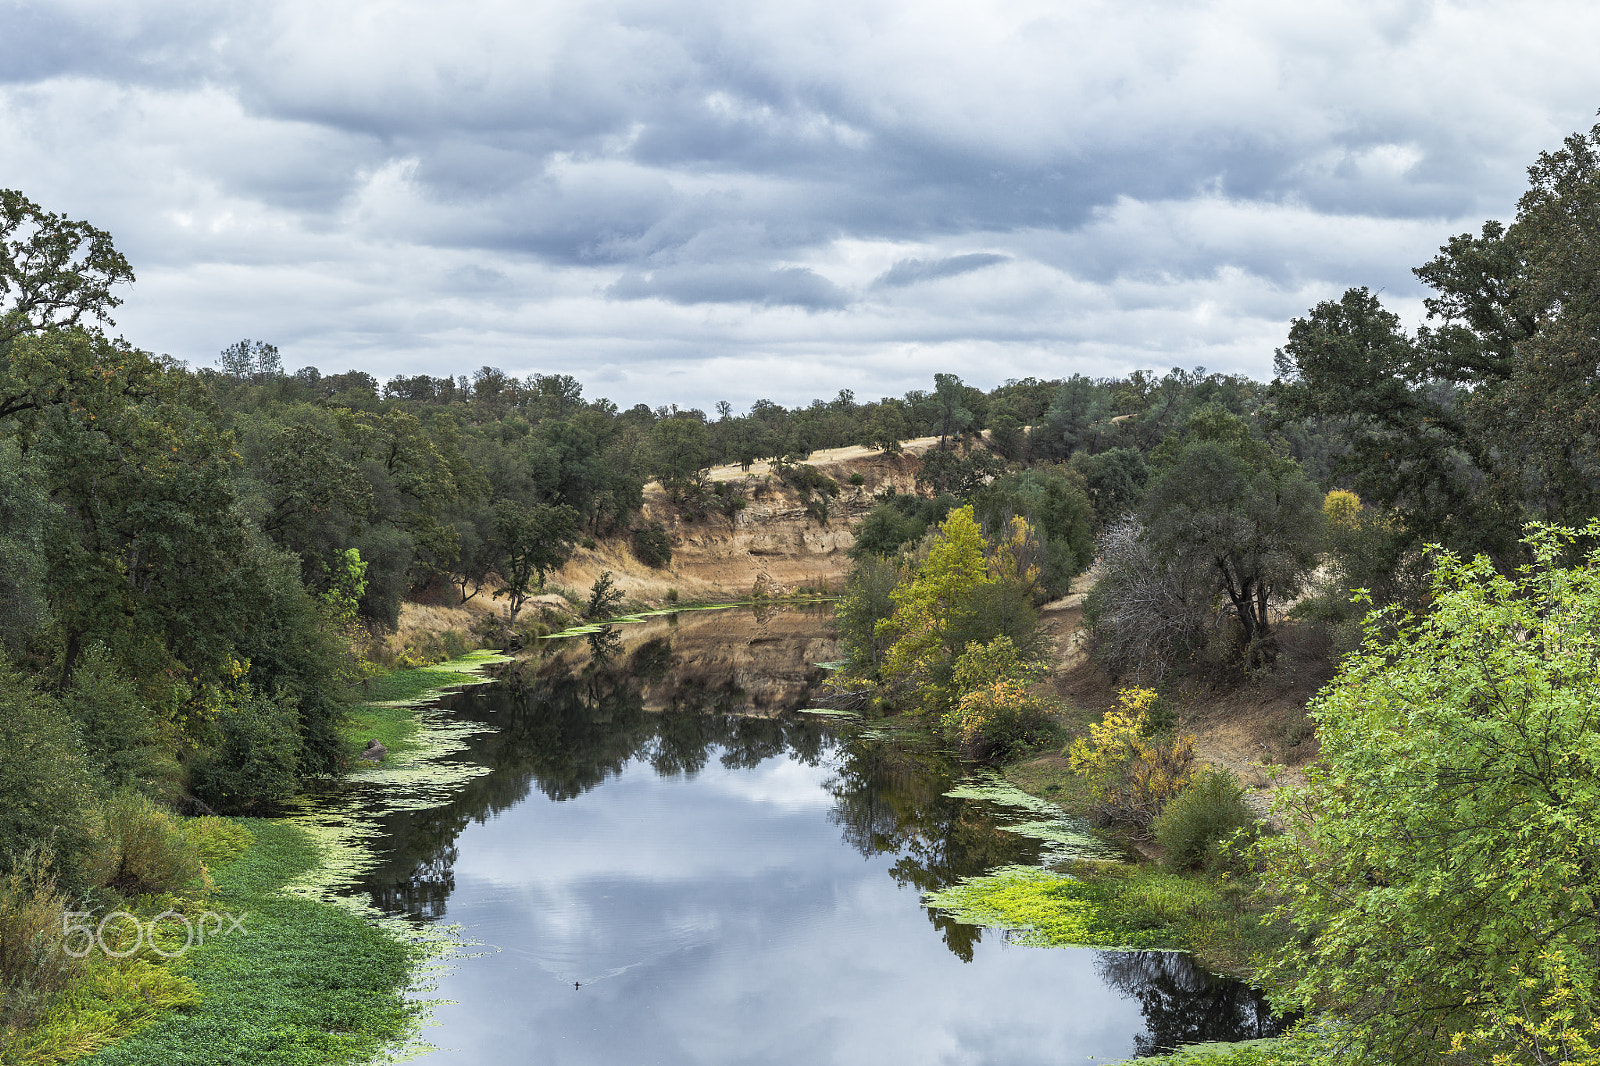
<point>291,973</point>
<point>1214,915</point>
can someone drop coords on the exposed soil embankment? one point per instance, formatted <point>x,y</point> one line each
<point>743,660</point>
<point>773,539</point>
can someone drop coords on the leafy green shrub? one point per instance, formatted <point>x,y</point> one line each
<point>252,765</point>
<point>530,627</point>
<point>865,603</point>
<point>1439,864</point>
<point>487,628</point>
<point>651,545</point>
<point>858,478</point>
<point>423,649</point>
<point>217,841</point>
<point>981,665</point>
<point>885,529</point>
<point>121,734</point>
<point>999,720</point>
<point>34,964</point>
<point>805,479</point>
<point>1208,811</point>
<point>145,850</point>
<point>589,543</point>
<point>672,595</point>
<point>958,595</point>
<point>48,789</point>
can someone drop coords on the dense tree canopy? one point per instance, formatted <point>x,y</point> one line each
<point>1485,418</point>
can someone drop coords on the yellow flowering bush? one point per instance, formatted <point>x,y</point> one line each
<point>997,719</point>
<point>1132,776</point>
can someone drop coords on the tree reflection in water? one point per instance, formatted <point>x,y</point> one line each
<point>888,799</point>
<point>565,730</point>
<point>1182,1003</point>
<point>564,727</point>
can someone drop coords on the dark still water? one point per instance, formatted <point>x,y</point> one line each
<point>657,880</point>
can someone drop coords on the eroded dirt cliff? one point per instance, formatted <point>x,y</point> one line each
<point>774,540</point>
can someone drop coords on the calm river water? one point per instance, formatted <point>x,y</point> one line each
<point>656,878</point>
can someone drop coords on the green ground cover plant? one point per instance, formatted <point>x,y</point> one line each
<point>60,1001</point>
<point>1293,1050</point>
<point>1140,909</point>
<point>309,982</point>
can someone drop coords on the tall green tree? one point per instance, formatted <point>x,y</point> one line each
<point>143,533</point>
<point>1414,447</point>
<point>1069,423</point>
<point>1486,417</point>
<point>55,273</point>
<point>950,404</point>
<point>534,541</point>
<point>24,509</point>
<point>682,457</point>
<point>1248,518</point>
<point>965,591</point>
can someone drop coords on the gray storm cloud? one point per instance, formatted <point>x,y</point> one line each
<point>702,194</point>
<point>910,271</point>
<point>790,286</point>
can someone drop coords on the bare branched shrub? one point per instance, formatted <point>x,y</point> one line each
<point>1145,612</point>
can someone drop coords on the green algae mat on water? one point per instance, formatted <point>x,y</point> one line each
<point>1039,908</point>
<point>417,774</point>
<point>1114,906</point>
<point>1065,838</point>
<point>318,977</point>
<point>387,711</point>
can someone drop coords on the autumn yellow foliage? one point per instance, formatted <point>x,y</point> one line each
<point>1342,508</point>
<point>995,720</point>
<point>1130,775</point>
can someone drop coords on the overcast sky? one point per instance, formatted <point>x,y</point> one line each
<point>692,200</point>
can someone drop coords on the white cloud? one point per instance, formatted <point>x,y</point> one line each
<point>388,186</point>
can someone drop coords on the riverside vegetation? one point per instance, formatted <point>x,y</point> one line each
<point>1428,894</point>
<point>197,566</point>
